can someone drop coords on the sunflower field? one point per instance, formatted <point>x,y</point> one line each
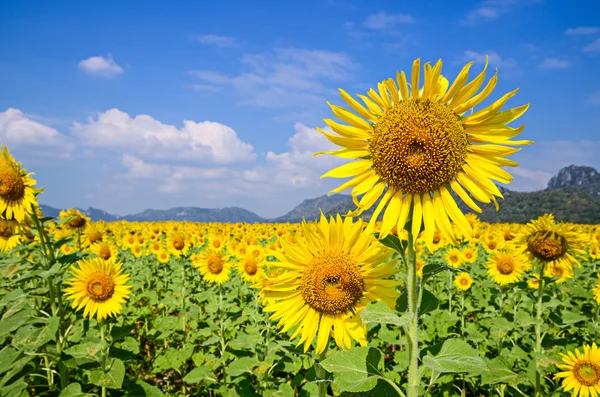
<point>418,299</point>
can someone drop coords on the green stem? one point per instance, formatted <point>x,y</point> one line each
<point>538,327</point>
<point>183,313</point>
<point>413,326</point>
<point>450,292</point>
<point>221,333</point>
<point>320,372</point>
<point>104,352</point>
<point>462,314</point>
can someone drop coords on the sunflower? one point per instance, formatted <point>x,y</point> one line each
<point>506,267</point>
<point>581,372</point>
<point>557,270</point>
<point>534,283</point>
<point>177,244</point>
<point>79,220</point>
<point>91,236</point>
<point>105,250</point>
<point>163,256</point>
<point>469,254</point>
<point>17,191</point>
<point>99,287</point>
<point>9,234</point>
<point>453,257</point>
<point>415,145</point>
<point>214,266</point>
<point>597,291</point>
<point>546,241</point>
<point>332,273</point>
<point>463,281</point>
<point>250,267</point>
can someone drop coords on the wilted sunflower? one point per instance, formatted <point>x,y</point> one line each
<point>581,371</point>
<point>79,221</point>
<point>331,275</point>
<point>17,191</point>
<point>505,267</point>
<point>99,287</point>
<point>546,241</point>
<point>416,144</point>
<point>214,266</point>
<point>463,281</point>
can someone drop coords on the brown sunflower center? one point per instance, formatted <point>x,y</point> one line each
<point>464,281</point>
<point>216,243</point>
<point>505,266</point>
<point>77,222</point>
<point>7,228</point>
<point>546,245</point>
<point>587,373</point>
<point>453,258</point>
<point>100,287</point>
<point>418,146</point>
<point>215,264</point>
<point>178,243</point>
<point>12,186</point>
<point>332,283</point>
<point>104,252</point>
<point>250,267</point>
<point>95,236</point>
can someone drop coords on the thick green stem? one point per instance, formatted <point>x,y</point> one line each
<point>183,308</point>
<point>450,274</point>
<point>413,326</point>
<point>221,329</point>
<point>538,327</point>
<point>320,372</point>
<point>104,352</point>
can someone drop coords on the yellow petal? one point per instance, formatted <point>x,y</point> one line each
<point>357,106</point>
<point>416,71</point>
<point>350,117</point>
<point>350,169</point>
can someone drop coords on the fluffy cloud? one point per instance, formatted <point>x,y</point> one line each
<point>146,136</point>
<point>490,10</point>
<point>216,40</point>
<point>555,63</point>
<point>582,30</point>
<point>287,77</point>
<point>19,131</point>
<point>101,66</point>
<point>383,20</point>
<point>593,47</point>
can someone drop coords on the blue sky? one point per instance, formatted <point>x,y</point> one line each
<point>133,105</point>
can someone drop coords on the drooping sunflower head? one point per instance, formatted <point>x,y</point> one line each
<point>99,287</point>
<point>505,267</point>
<point>414,144</point>
<point>331,274</point>
<point>581,372</point>
<point>214,266</point>
<point>463,281</point>
<point>78,220</point>
<point>17,188</point>
<point>547,241</point>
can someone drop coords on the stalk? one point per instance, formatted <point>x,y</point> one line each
<point>104,353</point>
<point>221,334</point>
<point>413,326</point>
<point>538,327</point>
<point>183,314</point>
<point>320,372</point>
<point>450,274</point>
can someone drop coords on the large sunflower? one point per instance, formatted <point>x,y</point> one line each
<point>415,145</point>
<point>99,287</point>
<point>331,275</point>
<point>17,191</point>
<point>581,372</point>
<point>546,241</point>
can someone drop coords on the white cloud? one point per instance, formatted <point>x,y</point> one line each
<point>555,63</point>
<point>287,77</point>
<point>582,30</point>
<point>146,136</point>
<point>490,10</point>
<point>18,130</point>
<point>216,40</point>
<point>530,179</point>
<point>383,20</point>
<point>593,47</point>
<point>594,98</point>
<point>495,60</point>
<point>101,66</point>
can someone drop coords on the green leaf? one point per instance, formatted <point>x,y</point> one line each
<point>393,242</point>
<point>455,356</point>
<point>241,366</point>
<point>200,374</point>
<point>431,269</point>
<point>500,372</point>
<point>7,356</point>
<point>112,379</point>
<point>29,338</point>
<point>569,317</point>
<point>88,350</point>
<point>8,325</point>
<point>355,370</point>
<point>73,390</point>
<point>428,303</point>
<point>141,389</point>
<point>380,313</point>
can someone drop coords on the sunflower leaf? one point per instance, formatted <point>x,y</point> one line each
<point>456,356</point>
<point>393,242</point>
<point>355,370</point>
<point>380,313</point>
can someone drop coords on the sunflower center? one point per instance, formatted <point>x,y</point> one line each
<point>418,146</point>
<point>587,373</point>
<point>557,271</point>
<point>7,228</point>
<point>332,283</point>
<point>547,246</point>
<point>250,267</point>
<point>77,222</point>
<point>104,253</point>
<point>464,282</point>
<point>12,187</point>
<point>215,264</point>
<point>100,287</point>
<point>505,266</point>
<point>453,258</point>
<point>216,243</point>
<point>178,243</point>
<point>95,236</point>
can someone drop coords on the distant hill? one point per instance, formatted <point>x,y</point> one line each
<point>573,195</point>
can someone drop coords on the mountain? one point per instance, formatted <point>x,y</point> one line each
<point>573,195</point>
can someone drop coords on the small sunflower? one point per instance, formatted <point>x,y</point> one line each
<point>214,266</point>
<point>557,270</point>
<point>250,267</point>
<point>469,254</point>
<point>91,236</point>
<point>453,257</point>
<point>105,250</point>
<point>546,241</point>
<point>597,291</point>
<point>177,244</point>
<point>17,191</point>
<point>463,281</point>
<point>79,221</point>
<point>581,372</point>
<point>414,145</point>
<point>534,283</point>
<point>505,267</point>
<point>99,287</point>
<point>163,256</point>
<point>9,234</point>
<point>331,275</point>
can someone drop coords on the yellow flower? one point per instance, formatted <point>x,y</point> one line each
<point>99,287</point>
<point>557,270</point>
<point>105,250</point>
<point>597,291</point>
<point>415,145</point>
<point>469,254</point>
<point>9,234</point>
<point>163,256</point>
<point>177,244</point>
<point>250,267</point>
<point>534,283</point>
<point>505,267</point>
<point>214,266</point>
<point>17,191</point>
<point>79,221</point>
<point>463,281</point>
<point>91,236</point>
<point>331,275</point>
<point>453,257</point>
<point>581,372</point>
